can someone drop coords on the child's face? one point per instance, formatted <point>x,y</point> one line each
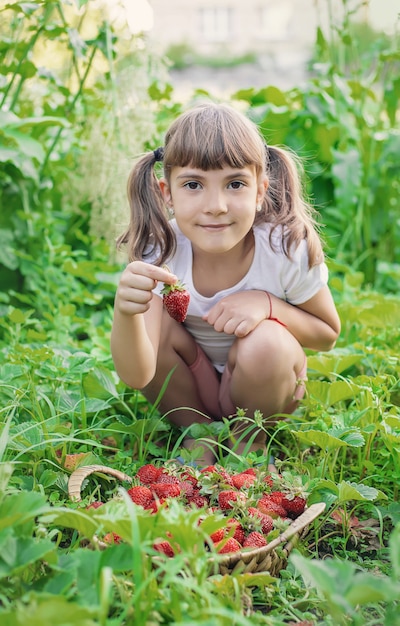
<point>215,209</point>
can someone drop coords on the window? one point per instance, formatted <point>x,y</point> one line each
<point>216,23</point>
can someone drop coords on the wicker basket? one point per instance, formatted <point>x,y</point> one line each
<point>78,476</point>
<point>271,558</point>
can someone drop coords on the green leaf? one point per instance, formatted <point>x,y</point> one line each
<point>392,422</point>
<point>381,315</point>
<point>392,97</point>
<point>328,393</point>
<point>332,578</point>
<point>24,7</point>
<point>10,121</point>
<point>88,572</point>
<point>353,491</point>
<point>72,401</point>
<point>347,173</point>
<point>368,589</point>
<point>20,162</point>
<point>81,3</point>
<point>343,586</point>
<point>20,553</point>
<point>326,138</point>
<point>139,428</point>
<point>336,362</point>
<point>352,436</point>
<point>394,547</point>
<point>118,557</point>
<point>271,95</point>
<point>323,440</point>
<point>78,519</point>
<point>321,42</point>
<point>323,495</point>
<point>6,469</point>
<point>21,507</point>
<point>48,478</point>
<point>8,258</point>
<point>28,146</point>
<point>18,317</point>
<point>60,583</point>
<point>76,42</point>
<point>41,610</point>
<point>100,383</point>
<point>159,92</point>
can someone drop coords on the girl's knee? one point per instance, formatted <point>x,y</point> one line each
<point>267,348</point>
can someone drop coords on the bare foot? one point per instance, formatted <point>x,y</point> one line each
<point>272,469</point>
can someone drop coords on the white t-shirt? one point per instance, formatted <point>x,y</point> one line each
<point>271,270</point>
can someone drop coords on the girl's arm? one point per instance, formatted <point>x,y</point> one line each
<point>314,323</point>
<point>136,326</point>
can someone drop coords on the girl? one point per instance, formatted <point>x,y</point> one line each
<point>244,243</point>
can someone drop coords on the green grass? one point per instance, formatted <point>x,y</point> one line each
<point>343,441</point>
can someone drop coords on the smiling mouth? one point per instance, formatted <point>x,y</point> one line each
<point>214,226</point>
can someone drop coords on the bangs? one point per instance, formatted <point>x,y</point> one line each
<point>211,137</point>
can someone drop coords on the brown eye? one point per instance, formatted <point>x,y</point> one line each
<point>193,185</point>
<point>236,184</point>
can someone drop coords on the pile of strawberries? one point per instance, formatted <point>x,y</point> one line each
<point>253,501</point>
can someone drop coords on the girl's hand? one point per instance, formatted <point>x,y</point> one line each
<point>134,292</point>
<point>239,313</point>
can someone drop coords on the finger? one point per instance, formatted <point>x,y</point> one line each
<point>212,315</point>
<point>235,327</point>
<point>242,329</point>
<point>132,283</point>
<point>134,294</point>
<point>131,307</point>
<point>220,325</point>
<point>159,274</point>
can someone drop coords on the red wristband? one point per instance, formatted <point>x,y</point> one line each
<point>273,319</point>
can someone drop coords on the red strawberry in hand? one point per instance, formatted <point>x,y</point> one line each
<point>176,300</point>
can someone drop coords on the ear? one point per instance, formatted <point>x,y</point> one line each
<point>166,191</point>
<point>262,189</point>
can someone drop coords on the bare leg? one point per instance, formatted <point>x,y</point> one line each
<point>177,350</point>
<point>181,401</point>
<point>265,367</point>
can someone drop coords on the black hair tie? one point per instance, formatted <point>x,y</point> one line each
<point>158,154</point>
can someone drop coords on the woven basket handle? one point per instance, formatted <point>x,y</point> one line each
<point>309,515</point>
<point>78,476</point>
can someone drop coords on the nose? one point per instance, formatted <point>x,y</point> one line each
<point>216,203</point>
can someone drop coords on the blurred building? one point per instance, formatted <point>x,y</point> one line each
<point>279,33</point>
<point>243,25</point>
<point>238,25</point>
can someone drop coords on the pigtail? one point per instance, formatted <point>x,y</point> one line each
<point>285,204</point>
<point>149,232</point>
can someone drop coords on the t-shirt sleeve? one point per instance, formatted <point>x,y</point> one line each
<point>299,282</point>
